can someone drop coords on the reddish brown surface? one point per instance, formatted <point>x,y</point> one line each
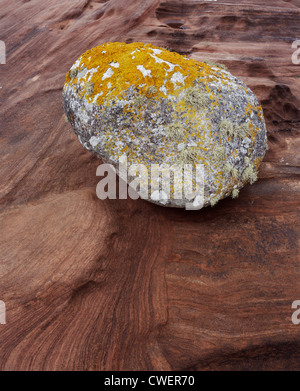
<point>92,284</point>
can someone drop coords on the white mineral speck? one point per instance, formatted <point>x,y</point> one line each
<point>107,74</point>
<point>94,141</point>
<point>160,61</point>
<point>144,71</point>
<point>156,51</point>
<point>177,77</point>
<point>114,64</point>
<point>164,90</point>
<point>198,201</point>
<point>89,74</point>
<point>246,140</point>
<point>97,96</point>
<point>122,159</point>
<point>159,196</point>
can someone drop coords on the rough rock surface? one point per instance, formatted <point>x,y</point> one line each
<point>129,285</point>
<point>158,107</point>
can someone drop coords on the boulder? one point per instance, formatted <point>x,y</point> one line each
<point>157,107</point>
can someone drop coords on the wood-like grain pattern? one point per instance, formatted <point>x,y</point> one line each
<point>123,284</point>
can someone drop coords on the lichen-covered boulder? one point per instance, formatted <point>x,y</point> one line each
<point>157,106</point>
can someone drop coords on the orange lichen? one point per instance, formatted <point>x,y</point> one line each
<point>128,57</point>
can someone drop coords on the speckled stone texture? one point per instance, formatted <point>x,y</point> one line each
<point>156,106</point>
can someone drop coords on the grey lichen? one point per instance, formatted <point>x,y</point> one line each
<point>219,153</point>
<point>226,128</point>
<point>234,172</point>
<point>66,119</point>
<point>188,155</point>
<point>216,64</point>
<point>89,88</point>
<point>73,73</point>
<point>175,131</point>
<point>246,160</point>
<point>222,66</point>
<point>152,90</point>
<point>235,193</point>
<point>214,201</point>
<point>140,100</point>
<point>195,98</point>
<point>241,130</point>
<point>249,174</point>
<point>227,168</point>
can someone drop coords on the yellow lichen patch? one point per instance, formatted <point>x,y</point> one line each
<point>260,112</point>
<point>117,63</point>
<point>249,108</point>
